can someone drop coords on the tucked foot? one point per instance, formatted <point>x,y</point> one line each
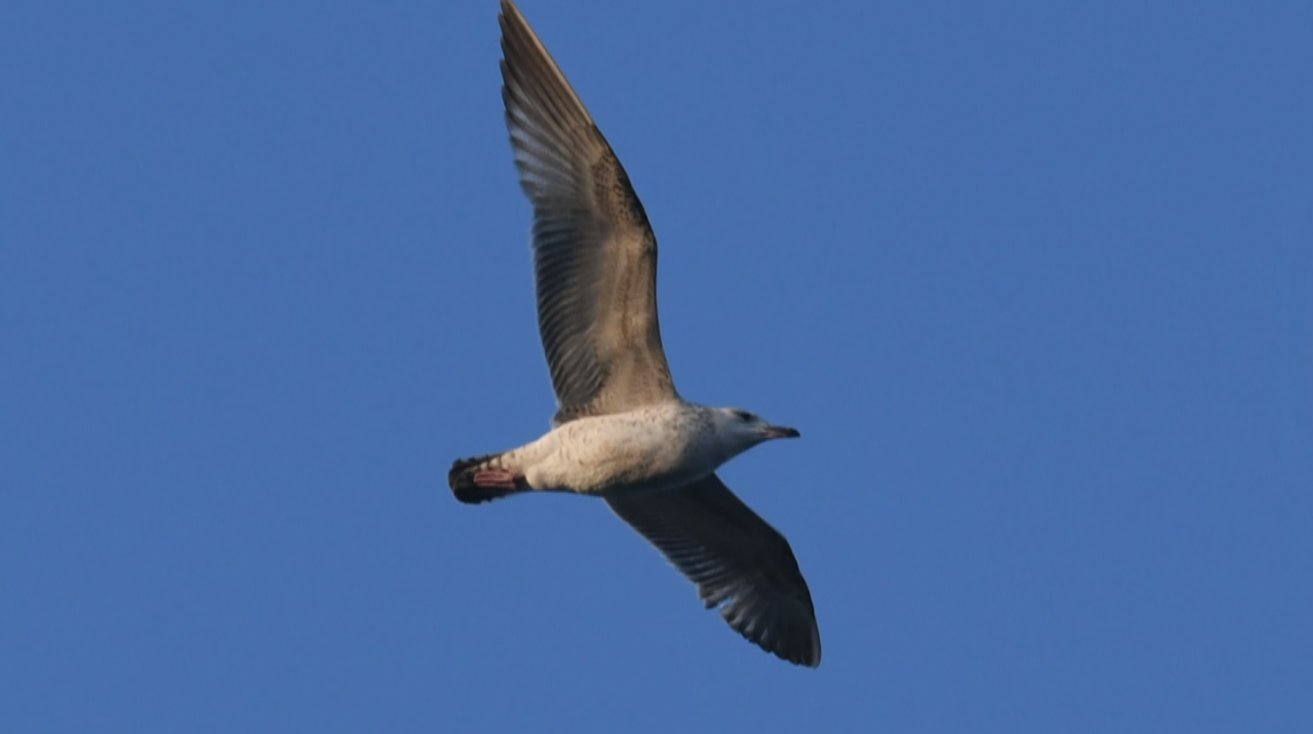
<point>498,479</point>
<point>473,481</point>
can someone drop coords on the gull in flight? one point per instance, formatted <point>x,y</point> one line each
<point>622,432</point>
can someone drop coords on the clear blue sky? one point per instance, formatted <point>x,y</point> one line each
<point>1035,281</point>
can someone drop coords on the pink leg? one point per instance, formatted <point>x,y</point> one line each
<point>497,479</point>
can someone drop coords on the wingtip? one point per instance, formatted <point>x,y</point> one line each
<point>814,660</point>
<point>802,658</point>
<point>806,657</point>
<point>510,13</point>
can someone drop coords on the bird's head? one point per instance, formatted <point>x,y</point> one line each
<point>743,430</point>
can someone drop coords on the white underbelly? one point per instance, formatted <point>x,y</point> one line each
<point>612,454</point>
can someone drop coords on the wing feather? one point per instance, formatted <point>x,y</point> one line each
<point>737,561</point>
<point>594,251</point>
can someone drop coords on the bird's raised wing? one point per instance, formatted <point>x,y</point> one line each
<point>736,560</point>
<point>594,252</point>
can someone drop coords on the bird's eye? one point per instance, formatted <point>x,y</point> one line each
<point>743,415</point>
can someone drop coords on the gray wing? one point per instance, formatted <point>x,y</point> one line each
<point>594,252</point>
<point>735,559</point>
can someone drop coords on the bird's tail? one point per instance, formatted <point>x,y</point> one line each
<point>484,478</point>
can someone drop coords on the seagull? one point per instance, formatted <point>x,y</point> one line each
<point>621,431</point>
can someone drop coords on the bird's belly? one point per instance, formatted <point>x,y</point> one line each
<point>621,459</point>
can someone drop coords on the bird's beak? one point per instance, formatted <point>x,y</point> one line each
<point>781,432</point>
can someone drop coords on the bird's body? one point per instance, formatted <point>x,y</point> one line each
<point>653,447</point>
<point>622,432</point>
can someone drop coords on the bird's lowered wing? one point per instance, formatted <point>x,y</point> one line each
<point>736,560</point>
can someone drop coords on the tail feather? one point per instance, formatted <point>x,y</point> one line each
<point>461,479</point>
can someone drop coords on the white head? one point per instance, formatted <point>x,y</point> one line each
<point>740,430</point>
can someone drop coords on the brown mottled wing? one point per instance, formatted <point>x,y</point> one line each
<point>594,253</point>
<point>736,560</point>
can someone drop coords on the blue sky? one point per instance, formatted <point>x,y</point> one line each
<point>1035,281</point>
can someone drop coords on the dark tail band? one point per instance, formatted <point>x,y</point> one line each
<point>461,480</point>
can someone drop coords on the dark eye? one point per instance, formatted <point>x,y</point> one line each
<point>743,415</point>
